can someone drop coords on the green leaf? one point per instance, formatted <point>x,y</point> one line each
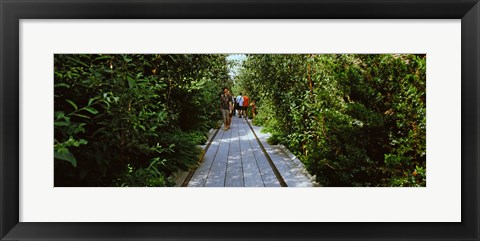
<point>107,103</point>
<point>78,61</point>
<point>66,156</point>
<point>61,123</point>
<point>72,103</point>
<point>131,82</point>
<point>59,114</point>
<point>91,110</point>
<point>82,116</point>
<point>126,59</point>
<point>103,57</point>
<point>62,85</point>
<point>91,100</point>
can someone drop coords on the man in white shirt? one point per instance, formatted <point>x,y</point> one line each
<point>239,101</point>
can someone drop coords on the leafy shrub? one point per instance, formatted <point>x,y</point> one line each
<point>133,118</point>
<point>354,120</point>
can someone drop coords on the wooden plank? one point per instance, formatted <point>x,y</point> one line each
<point>199,178</point>
<point>268,176</point>
<point>216,176</point>
<point>234,175</point>
<point>251,172</point>
<point>235,171</point>
<point>288,169</point>
<point>292,173</point>
<point>297,169</point>
<point>234,128</point>
<point>235,159</point>
<point>283,168</point>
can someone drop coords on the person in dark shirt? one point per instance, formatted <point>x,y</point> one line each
<point>226,107</point>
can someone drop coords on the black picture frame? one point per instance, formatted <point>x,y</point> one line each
<point>11,11</point>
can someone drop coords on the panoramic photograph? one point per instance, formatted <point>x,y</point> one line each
<point>240,120</point>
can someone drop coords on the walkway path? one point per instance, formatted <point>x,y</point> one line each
<point>235,158</point>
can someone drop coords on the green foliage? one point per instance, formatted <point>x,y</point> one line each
<point>134,120</point>
<point>198,137</point>
<point>274,139</point>
<point>150,176</point>
<point>143,113</point>
<point>354,120</point>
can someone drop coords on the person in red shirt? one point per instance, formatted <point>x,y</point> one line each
<point>245,106</point>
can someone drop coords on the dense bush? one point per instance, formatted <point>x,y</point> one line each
<point>354,120</point>
<point>132,120</point>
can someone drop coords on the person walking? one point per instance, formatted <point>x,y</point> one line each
<point>245,106</point>
<point>240,105</point>
<point>226,106</point>
<point>254,109</point>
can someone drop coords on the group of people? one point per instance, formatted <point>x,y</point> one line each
<point>229,105</point>
<point>241,105</point>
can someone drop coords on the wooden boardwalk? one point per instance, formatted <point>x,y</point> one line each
<point>236,158</point>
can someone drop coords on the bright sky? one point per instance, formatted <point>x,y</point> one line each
<point>240,57</point>
<point>236,58</point>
